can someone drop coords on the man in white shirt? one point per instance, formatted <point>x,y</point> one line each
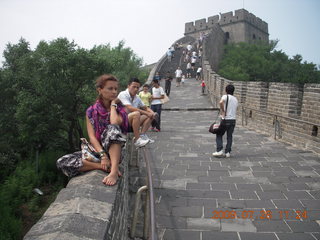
<point>178,73</point>
<point>139,114</point>
<point>198,76</point>
<point>228,109</point>
<point>156,104</point>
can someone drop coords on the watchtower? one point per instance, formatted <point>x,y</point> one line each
<point>241,26</point>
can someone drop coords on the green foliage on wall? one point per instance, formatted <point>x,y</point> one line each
<point>261,62</point>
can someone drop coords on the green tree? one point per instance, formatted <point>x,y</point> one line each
<point>261,62</point>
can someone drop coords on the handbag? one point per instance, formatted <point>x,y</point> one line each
<point>165,99</point>
<point>219,126</point>
<point>88,151</point>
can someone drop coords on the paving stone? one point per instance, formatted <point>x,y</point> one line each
<point>297,186</point>
<point>252,187</point>
<point>308,226</point>
<point>233,180</point>
<point>192,211</point>
<point>311,204</point>
<point>219,236</point>
<point>314,185</point>
<point>171,222</point>
<point>196,173</point>
<point>305,173</point>
<point>223,186</point>
<point>209,179</point>
<point>294,236</point>
<point>199,168</point>
<point>270,195</point>
<point>237,225</point>
<point>315,194</point>
<point>297,195</point>
<point>259,204</point>
<point>291,204</point>
<point>204,186</point>
<point>173,184</point>
<point>262,174</point>
<point>243,195</point>
<point>279,179</point>
<point>218,173</point>
<point>241,174</point>
<point>316,235</point>
<point>181,235</point>
<point>271,226</point>
<point>257,236</point>
<point>271,187</point>
<point>202,202</point>
<point>203,224</point>
<point>232,204</point>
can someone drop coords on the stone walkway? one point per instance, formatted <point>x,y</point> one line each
<point>266,190</point>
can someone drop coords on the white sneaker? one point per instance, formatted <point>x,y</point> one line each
<point>145,137</point>
<point>228,155</point>
<point>218,154</point>
<point>141,142</point>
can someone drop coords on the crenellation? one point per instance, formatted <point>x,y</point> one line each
<point>213,20</point>
<point>258,26</point>
<point>201,24</point>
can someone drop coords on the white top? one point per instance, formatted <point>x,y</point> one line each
<point>157,92</point>
<point>178,73</point>
<point>232,106</point>
<point>126,99</point>
<point>188,65</point>
<point>199,70</point>
<point>193,60</point>
<point>189,47</point>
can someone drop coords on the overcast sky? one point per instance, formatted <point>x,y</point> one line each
<point>149,27</point>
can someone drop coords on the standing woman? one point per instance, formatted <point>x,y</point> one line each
<point>107,122</point>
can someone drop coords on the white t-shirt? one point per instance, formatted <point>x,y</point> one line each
<point>193,60</point>
<point>178,73</point>
<point>199,70</point>
<point>126,99</point>
<point>157,92</point>
<point>232,106</point>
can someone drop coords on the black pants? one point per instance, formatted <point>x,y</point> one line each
<point>157,108</point>
<point>230,124</point>
<point>167,87</point>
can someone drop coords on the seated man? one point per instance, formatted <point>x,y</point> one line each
<point>139,115</point>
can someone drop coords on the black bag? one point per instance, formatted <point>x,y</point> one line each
<point>219,126</point>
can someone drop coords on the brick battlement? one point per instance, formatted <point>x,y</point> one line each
<point>228,18</point>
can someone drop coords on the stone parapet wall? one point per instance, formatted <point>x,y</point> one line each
<point>285,99</point>
<point>288,112</point>
<point>87,209</point>
<point>310,104</point>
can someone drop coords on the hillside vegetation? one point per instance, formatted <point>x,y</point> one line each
<point>262,62</point>
<point>44,95</point>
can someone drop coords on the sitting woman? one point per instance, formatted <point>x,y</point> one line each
<point>107,122</point>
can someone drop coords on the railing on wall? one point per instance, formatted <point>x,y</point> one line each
<point>149,228</point>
